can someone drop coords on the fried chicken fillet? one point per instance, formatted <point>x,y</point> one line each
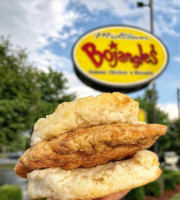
<point>90,147</point>
<point>85,134</point>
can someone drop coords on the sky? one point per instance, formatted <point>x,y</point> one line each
<point>48,30</point>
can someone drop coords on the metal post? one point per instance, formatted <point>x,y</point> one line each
<point>150,5</point>
<point>151,15</point>
<point>178,101</point>
<point>154,84</point>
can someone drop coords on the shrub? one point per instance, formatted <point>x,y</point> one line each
<point>136,194</point>
<point>177,177</point>
<point>167,171</point>
<point>154,188</point>
<point>169,181</point>
<point>10,192</point>
<point>174,174</point>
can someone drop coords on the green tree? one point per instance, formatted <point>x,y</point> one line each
<point>171,141</point>
<point>26,94</point>
<point>145,102</point>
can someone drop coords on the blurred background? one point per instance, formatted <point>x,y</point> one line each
<point>36,74</point>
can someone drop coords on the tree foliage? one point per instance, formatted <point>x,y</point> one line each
<point>171,141</point>
<point>26,94</point>
<point>145,102</point>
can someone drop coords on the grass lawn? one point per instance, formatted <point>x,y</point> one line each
<point>175,197</point>
<point>6,166</point>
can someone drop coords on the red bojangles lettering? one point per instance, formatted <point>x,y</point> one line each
<point>113,56</point>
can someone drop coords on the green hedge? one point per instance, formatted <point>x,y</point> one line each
<point>136,194</point>
<point>169,181</point>
<point>174,176</point>
<point>154,188</point>
<point>10,192</point>
<point>177,177</point>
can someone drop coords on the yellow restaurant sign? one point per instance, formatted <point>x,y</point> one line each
<point>142,115</point>
<point>119,57</point>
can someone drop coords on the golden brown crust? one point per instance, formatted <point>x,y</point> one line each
<point>90,147</point>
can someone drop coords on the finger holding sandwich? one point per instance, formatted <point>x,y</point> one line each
<point>90,148</point>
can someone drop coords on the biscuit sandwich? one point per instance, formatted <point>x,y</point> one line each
<point>90,148</point>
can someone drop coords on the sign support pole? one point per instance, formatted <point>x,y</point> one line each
<point>154,83</point>
<point>178,101</point>
<point>150,5</point>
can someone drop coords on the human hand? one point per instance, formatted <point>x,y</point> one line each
<point>115,196</point>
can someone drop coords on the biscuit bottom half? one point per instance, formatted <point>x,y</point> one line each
<point>95,182</point>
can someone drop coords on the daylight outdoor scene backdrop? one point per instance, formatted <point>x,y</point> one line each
<point>36,74</point>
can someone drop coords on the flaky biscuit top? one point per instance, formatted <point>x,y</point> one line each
<point>106,108</point>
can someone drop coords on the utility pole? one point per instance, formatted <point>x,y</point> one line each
<point>178,101</point>
<point>150,5</point>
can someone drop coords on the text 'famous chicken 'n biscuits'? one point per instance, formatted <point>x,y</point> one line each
<point>90,148</point>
